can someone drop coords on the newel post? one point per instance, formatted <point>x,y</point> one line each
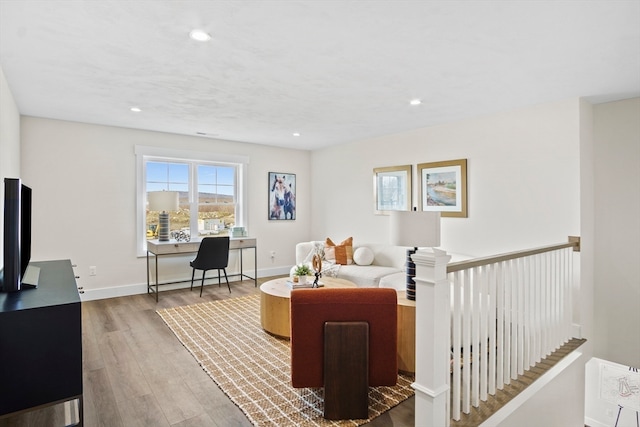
<point>433,314</point>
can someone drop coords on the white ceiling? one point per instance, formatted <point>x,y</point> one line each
<point>334,71</point>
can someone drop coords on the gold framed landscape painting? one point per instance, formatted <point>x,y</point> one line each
<point>392,189</point>
<point>443,187</point>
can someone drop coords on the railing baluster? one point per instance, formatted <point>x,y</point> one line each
<point>557,300</point>
<point>548,304</point>
<point>475,338</point>
<point>568,286</point>
<point>527,311</point>
<point>507,322</point>
<point>513,324</point>
<point>484,331</point>
<point>532,313</point>
<point>543,305</point>
<point>466,344</point>
<point>554,301</point>
<point>520,314</point>
<point>500,326</point>
<point>563,293</point>
<point>539,307</point>
<point>492,330</point>
<point>456,344</point>
<point>561,298</point>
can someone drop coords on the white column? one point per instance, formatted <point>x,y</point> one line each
<point>433,314</point>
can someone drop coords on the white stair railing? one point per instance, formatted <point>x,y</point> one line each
<point>480,323</point>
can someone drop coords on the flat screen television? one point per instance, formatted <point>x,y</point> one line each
<point>16,274</point>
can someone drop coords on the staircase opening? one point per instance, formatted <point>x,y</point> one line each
<point>494,402</point>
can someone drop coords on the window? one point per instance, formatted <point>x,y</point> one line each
<point>209,192</point>
<point>216,198</point>
<point>392,188</point>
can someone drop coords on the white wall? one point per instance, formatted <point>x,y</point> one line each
<point>523,180</point>
<point>83,180</point>
<point>9,144</point>
<point>617,231</point>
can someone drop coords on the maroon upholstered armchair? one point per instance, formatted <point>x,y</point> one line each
<point>345,340</point>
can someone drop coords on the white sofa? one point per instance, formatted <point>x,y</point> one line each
<point>386,270</point>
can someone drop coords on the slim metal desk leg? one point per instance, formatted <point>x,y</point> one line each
<point>241,271</point>
<point>255,266</point>
<point>147,272</point>
<point>156,277</point>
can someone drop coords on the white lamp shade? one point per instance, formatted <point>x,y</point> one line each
<point>416,229</point>
<point>163,201</point>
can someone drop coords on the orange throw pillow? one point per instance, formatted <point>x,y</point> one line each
<point>340,254</point>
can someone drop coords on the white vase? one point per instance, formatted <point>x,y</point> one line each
<point>302,280</point>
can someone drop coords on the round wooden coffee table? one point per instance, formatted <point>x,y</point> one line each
<point>274,303</point>
<point>406,334</point>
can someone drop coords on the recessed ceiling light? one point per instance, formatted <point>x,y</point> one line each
<point>200,35</point>
<point>136,109</point>
<point>296,134</point>
<point>415,102</point>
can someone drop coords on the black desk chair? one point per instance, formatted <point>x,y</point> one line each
<point>213,254</point>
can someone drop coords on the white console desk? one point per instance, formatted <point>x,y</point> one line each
<point>173,247</point>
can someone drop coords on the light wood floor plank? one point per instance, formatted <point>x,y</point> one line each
<point>197,421</point>
<point>100,406</point>
<point>143,411</point>
<point>213,401</point>
<point>177,401</point>
<point>127,380</point>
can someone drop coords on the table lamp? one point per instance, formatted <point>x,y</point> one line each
<point>416,229</point>
<point>163,202</point>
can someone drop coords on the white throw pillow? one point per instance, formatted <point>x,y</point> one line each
<point>363,256</point>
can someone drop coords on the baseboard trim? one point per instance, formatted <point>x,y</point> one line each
<point>141,288</point>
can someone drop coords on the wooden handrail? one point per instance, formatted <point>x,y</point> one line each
<point>574,242</point>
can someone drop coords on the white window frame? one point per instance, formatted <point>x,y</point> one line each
<point>156,154</point>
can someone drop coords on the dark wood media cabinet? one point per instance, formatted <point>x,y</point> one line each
<point>41,342</point>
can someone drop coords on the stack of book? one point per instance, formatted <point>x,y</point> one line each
<point>308,284</point>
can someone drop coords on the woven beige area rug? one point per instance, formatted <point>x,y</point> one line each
<point>253,367</point>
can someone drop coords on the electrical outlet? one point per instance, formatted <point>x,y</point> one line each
<point>92,270</point>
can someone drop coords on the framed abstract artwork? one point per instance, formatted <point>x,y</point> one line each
<point>392,189</point>
<point>443,187</point>
<point>282,196</point>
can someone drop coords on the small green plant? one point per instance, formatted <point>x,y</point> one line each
<point>302,270</point>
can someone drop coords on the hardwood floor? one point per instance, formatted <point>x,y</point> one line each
<point>136,372</point>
